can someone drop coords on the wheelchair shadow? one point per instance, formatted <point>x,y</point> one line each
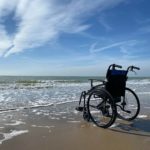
<point>140,127</point>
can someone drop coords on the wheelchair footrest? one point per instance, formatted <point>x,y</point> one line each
<point>79,108</point>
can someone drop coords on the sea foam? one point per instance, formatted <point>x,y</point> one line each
<point>8,136</point>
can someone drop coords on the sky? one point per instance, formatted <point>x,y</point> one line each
<point>73,37</point>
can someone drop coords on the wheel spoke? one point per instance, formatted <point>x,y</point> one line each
<point>93,106</point>
<point>102,112</point>
<point>129,107</point>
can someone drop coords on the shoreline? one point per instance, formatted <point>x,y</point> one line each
<point>55,128</point>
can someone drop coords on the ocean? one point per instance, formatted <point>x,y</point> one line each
<point>18,92</point>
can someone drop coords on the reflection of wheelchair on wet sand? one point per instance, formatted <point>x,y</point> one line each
<point>110,99</point>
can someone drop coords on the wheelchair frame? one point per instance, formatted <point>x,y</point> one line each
<point>109,98</point>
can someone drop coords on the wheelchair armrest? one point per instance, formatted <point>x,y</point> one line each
<point>104,82</point>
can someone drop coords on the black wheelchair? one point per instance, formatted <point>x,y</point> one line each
<point>110,99</point>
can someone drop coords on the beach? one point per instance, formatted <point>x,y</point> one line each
<point>41,115</point>
<point>30,129</point>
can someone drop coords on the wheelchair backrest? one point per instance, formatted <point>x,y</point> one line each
<point>116,82</point>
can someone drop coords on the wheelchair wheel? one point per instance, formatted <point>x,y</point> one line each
<point>129,107</point>
<point>101,108</point>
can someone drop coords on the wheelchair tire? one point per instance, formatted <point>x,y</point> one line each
<point>132,106</point>
<point>101,108</point>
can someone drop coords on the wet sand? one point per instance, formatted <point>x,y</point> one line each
<point>69,131</point>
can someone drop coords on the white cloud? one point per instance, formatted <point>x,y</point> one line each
<point>94,47</point>
<point>144,29</point>
<point>6,7</point>
<point>5,40</point>
<point>104,23</point>
<point>41,21</point>
<point>144,25</point>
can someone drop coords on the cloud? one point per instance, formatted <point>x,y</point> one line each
<point>144,29</point>
<point>144,25</point>
<point>104,23</point>
<point>94,47</point>
<point>5,41</point>
<point>6,7</point>
<point>42,21</point>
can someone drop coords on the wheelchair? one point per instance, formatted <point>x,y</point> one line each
<point>109,99</point>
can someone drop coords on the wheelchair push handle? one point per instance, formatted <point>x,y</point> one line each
<point>113,66</point>
<point>117,66</point>
<point>131,68</point>
<point>137,68</point>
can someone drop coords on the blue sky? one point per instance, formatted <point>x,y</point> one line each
<point>73,37</point>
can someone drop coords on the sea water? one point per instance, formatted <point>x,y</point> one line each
<point>18,92</point>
